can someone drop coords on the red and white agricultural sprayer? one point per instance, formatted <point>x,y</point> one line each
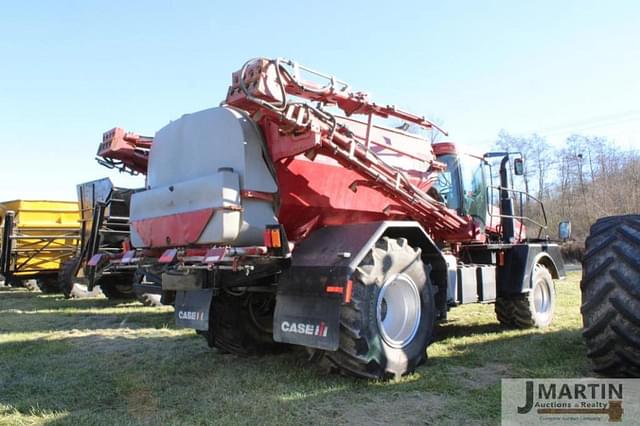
<point>272,219</point>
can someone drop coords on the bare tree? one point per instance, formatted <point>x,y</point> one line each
<point>595,178</point>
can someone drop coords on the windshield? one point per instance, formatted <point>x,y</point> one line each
<point>475,188</point>
<point>448,183</point>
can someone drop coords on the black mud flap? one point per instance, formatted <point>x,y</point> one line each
<point>307,313</point>
<point>307,321</point>
<point>192,308</point>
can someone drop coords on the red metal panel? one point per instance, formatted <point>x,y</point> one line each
<point>254,89</point>
<point>173,230</point>
<point>315,194</point>
<point>130,149</point>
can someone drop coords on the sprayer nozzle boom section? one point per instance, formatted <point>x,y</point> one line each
<point>267,89</point>
<point>270,81</point>
<point>125,150</point>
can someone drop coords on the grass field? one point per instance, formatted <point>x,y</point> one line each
<point>93,361</point>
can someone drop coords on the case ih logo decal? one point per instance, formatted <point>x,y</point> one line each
<point>319,330</point>
<point>191,315</point>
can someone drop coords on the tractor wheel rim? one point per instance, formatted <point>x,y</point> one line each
<point>398,311</point>
<point>541,298</point>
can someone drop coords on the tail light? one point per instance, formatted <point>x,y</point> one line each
<point>275,240</point>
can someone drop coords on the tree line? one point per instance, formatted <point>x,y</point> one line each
<point>586,178</point>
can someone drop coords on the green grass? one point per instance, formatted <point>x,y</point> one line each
<point>94,361</point>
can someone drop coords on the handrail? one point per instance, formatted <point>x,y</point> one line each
<point>520,217</point>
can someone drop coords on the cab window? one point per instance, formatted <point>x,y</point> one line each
<point>474,187</point>
<point>448,183</point>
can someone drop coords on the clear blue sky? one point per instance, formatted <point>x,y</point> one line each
<point>71,69</point>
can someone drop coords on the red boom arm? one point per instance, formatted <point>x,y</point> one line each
<point>264,88</point>
<point>125,151</point>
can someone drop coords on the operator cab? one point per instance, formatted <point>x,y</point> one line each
<point>466,186</point>
<point>463,184</point>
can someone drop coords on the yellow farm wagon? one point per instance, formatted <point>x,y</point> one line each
<point>37,237</point>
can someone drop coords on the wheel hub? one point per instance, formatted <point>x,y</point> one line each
<point>542,298</point>
<point>398,311</point>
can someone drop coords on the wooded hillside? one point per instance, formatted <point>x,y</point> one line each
<point>587,178</point>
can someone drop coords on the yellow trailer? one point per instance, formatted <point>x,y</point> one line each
<point>37,237</point>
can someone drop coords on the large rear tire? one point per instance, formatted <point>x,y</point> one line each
<point>611,296</point>
<point>535,308</point>
<point>385,330</point>
<point>49,285</point>
<point>241,323</point>
<point>66,276</point>
<point>117,287</point>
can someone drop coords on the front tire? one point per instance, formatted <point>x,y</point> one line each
<point>386,328</point>
<point>535,308</point>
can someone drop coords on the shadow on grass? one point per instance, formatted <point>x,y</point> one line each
<point>147,374</point>
<point>156,379</point>
<point>20,299</point>
<point>28,312</point>
<point>61,322</point>
<point>455,329</point>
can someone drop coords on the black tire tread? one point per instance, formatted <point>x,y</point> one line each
<point>522,315</point>
<point>117,287</point>
<point>504,311</point>
<point>231,329</point>
<point>48,285</point>
<point>516,311</point>
<point>352,357</point>
<point>611,296</point>
<point>66,276</point>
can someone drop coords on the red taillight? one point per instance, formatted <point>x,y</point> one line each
<point>272,238</point>
<point>275,239</point>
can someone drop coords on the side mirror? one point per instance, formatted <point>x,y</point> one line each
<point>518,166</point>
<point>564,230</point>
